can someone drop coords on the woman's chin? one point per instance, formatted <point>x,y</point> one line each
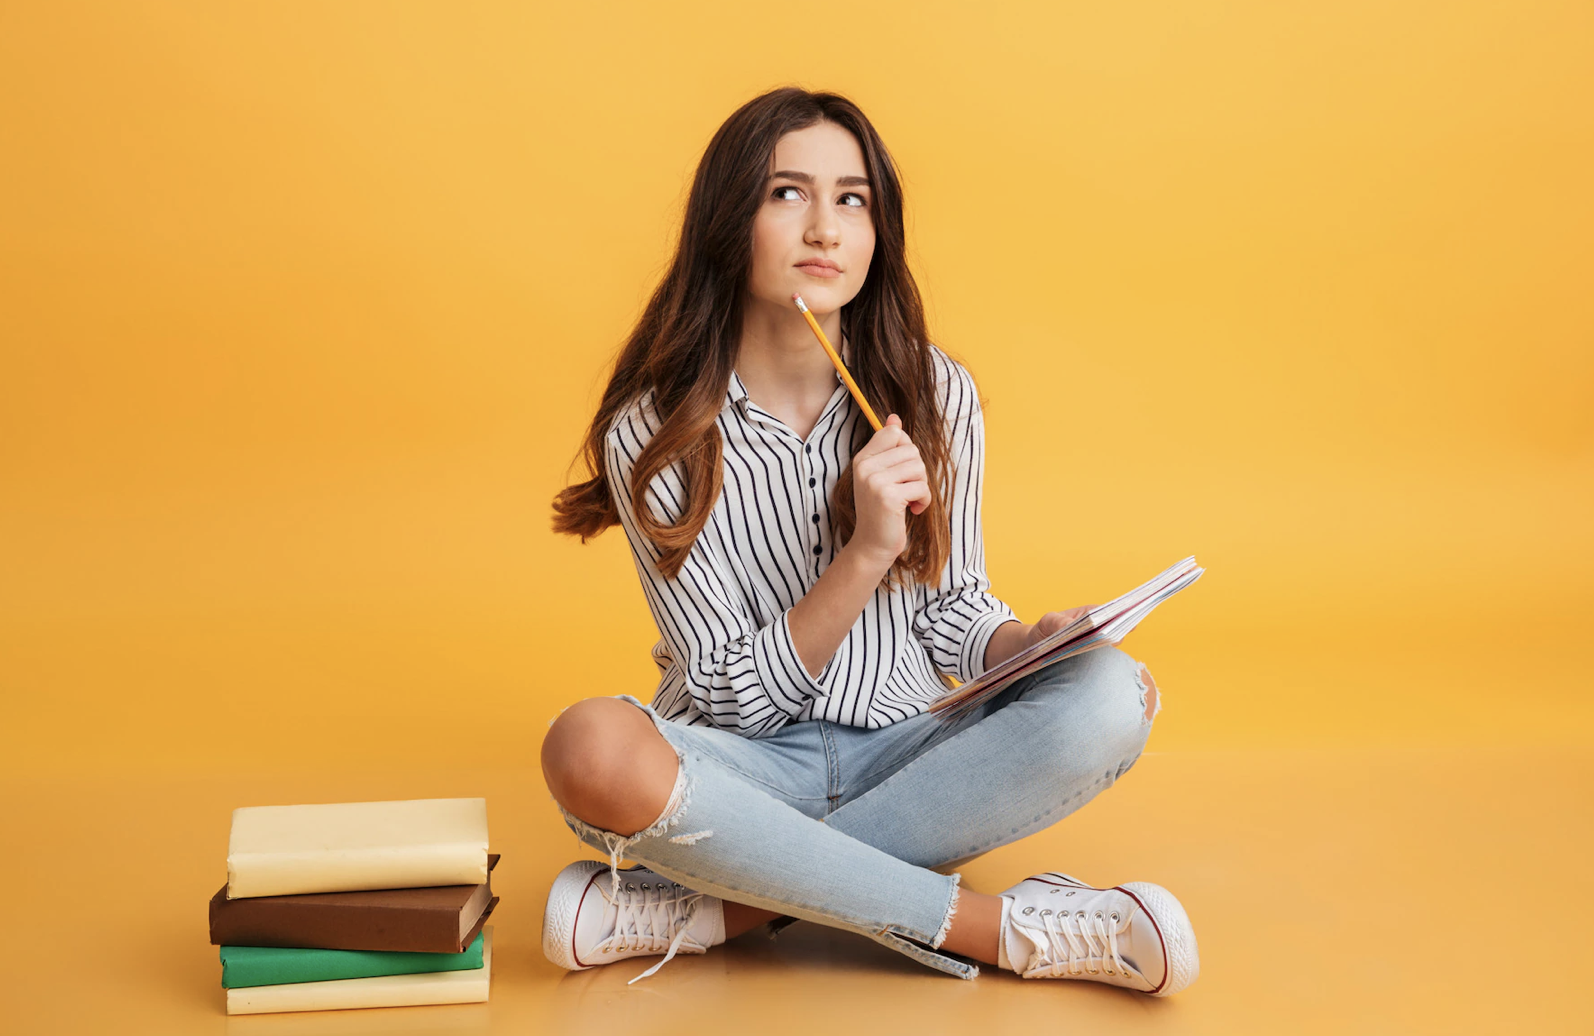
<point>820,296</point>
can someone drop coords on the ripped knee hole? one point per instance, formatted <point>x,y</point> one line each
<point>1150,700</point>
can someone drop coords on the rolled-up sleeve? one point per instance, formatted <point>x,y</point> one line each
<point>742,676</point>
<point>957,617</point>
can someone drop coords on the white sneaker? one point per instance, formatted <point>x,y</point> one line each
<point>1134,935</point>
<point>587,923</point>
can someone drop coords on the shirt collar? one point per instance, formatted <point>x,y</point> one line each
<point>736,394</point>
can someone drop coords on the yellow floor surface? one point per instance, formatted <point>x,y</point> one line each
<point>1431,891</point>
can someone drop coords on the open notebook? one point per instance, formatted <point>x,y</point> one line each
<point>1103,625</point>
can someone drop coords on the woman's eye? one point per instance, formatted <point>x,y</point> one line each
<point>861,202</point>
<point>779,189</point>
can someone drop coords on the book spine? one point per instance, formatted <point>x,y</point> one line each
<point>250,875</point>
<point>317,996</point>
<point>256,923</point>
<point>244,966</point>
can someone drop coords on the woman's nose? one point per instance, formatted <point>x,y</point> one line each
<point>825,227</point>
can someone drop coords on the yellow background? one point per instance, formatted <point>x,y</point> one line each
<point>304,309</point>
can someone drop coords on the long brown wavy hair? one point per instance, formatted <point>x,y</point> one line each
<point>684,346</point>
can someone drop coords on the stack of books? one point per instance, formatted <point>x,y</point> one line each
<point>356,904</point>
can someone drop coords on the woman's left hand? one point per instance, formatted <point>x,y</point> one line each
<point>1012,637</point>
<point>1051,622</point>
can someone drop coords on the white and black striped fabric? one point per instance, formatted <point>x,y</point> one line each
<point>726,654</point>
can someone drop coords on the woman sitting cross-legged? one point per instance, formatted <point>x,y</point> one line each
<point>812,581</point>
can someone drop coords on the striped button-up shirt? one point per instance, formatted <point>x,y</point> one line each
<point>726,655</point>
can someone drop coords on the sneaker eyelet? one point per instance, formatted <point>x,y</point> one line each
<point>1046,913</point>
<point>1055,891</point>
<point>1029,910</point>
<point>1098,914</point>
<point>1115,915</point>
<point>1070,893</point>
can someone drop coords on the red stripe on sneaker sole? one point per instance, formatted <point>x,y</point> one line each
<point>574,925</point>
<point>1167,963</point>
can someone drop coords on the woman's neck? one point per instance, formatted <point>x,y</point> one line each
<point>784,369</point>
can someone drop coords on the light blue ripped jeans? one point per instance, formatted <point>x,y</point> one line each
<point>843,825</point>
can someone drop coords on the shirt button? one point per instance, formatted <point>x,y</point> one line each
<point>816,519</point>
<point>808,448</point>
<point>816,551</point>
<point>811,482</point>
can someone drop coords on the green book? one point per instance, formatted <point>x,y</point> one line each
<point>243,966</point>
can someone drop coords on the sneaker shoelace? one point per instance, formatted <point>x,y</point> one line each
<point>1078,942</point>
<point>649,920</point>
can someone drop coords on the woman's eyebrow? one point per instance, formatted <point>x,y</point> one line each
<point>841,181</point>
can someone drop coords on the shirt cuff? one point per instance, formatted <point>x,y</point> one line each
<point>781,671</point>
<point>971,662</point>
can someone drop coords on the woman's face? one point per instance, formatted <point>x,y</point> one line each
<point>814,234</point>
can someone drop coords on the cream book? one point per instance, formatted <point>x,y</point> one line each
<point>352,846</point>
<point>430,987</point>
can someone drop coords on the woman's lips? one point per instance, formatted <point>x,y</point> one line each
<point>816,270</point>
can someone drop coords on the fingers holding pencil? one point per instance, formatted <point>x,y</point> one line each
<point>890,461</point>
<point>888,482</point>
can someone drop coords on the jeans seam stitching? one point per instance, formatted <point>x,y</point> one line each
<point>832,768</point>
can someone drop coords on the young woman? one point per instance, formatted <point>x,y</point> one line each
<point>811,581</point>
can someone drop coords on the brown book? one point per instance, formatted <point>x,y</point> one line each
<point>442,919</point>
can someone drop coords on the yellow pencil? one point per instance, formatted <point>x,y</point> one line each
<point>841,368</point>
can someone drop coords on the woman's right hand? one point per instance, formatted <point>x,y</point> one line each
<point>888,479</point>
